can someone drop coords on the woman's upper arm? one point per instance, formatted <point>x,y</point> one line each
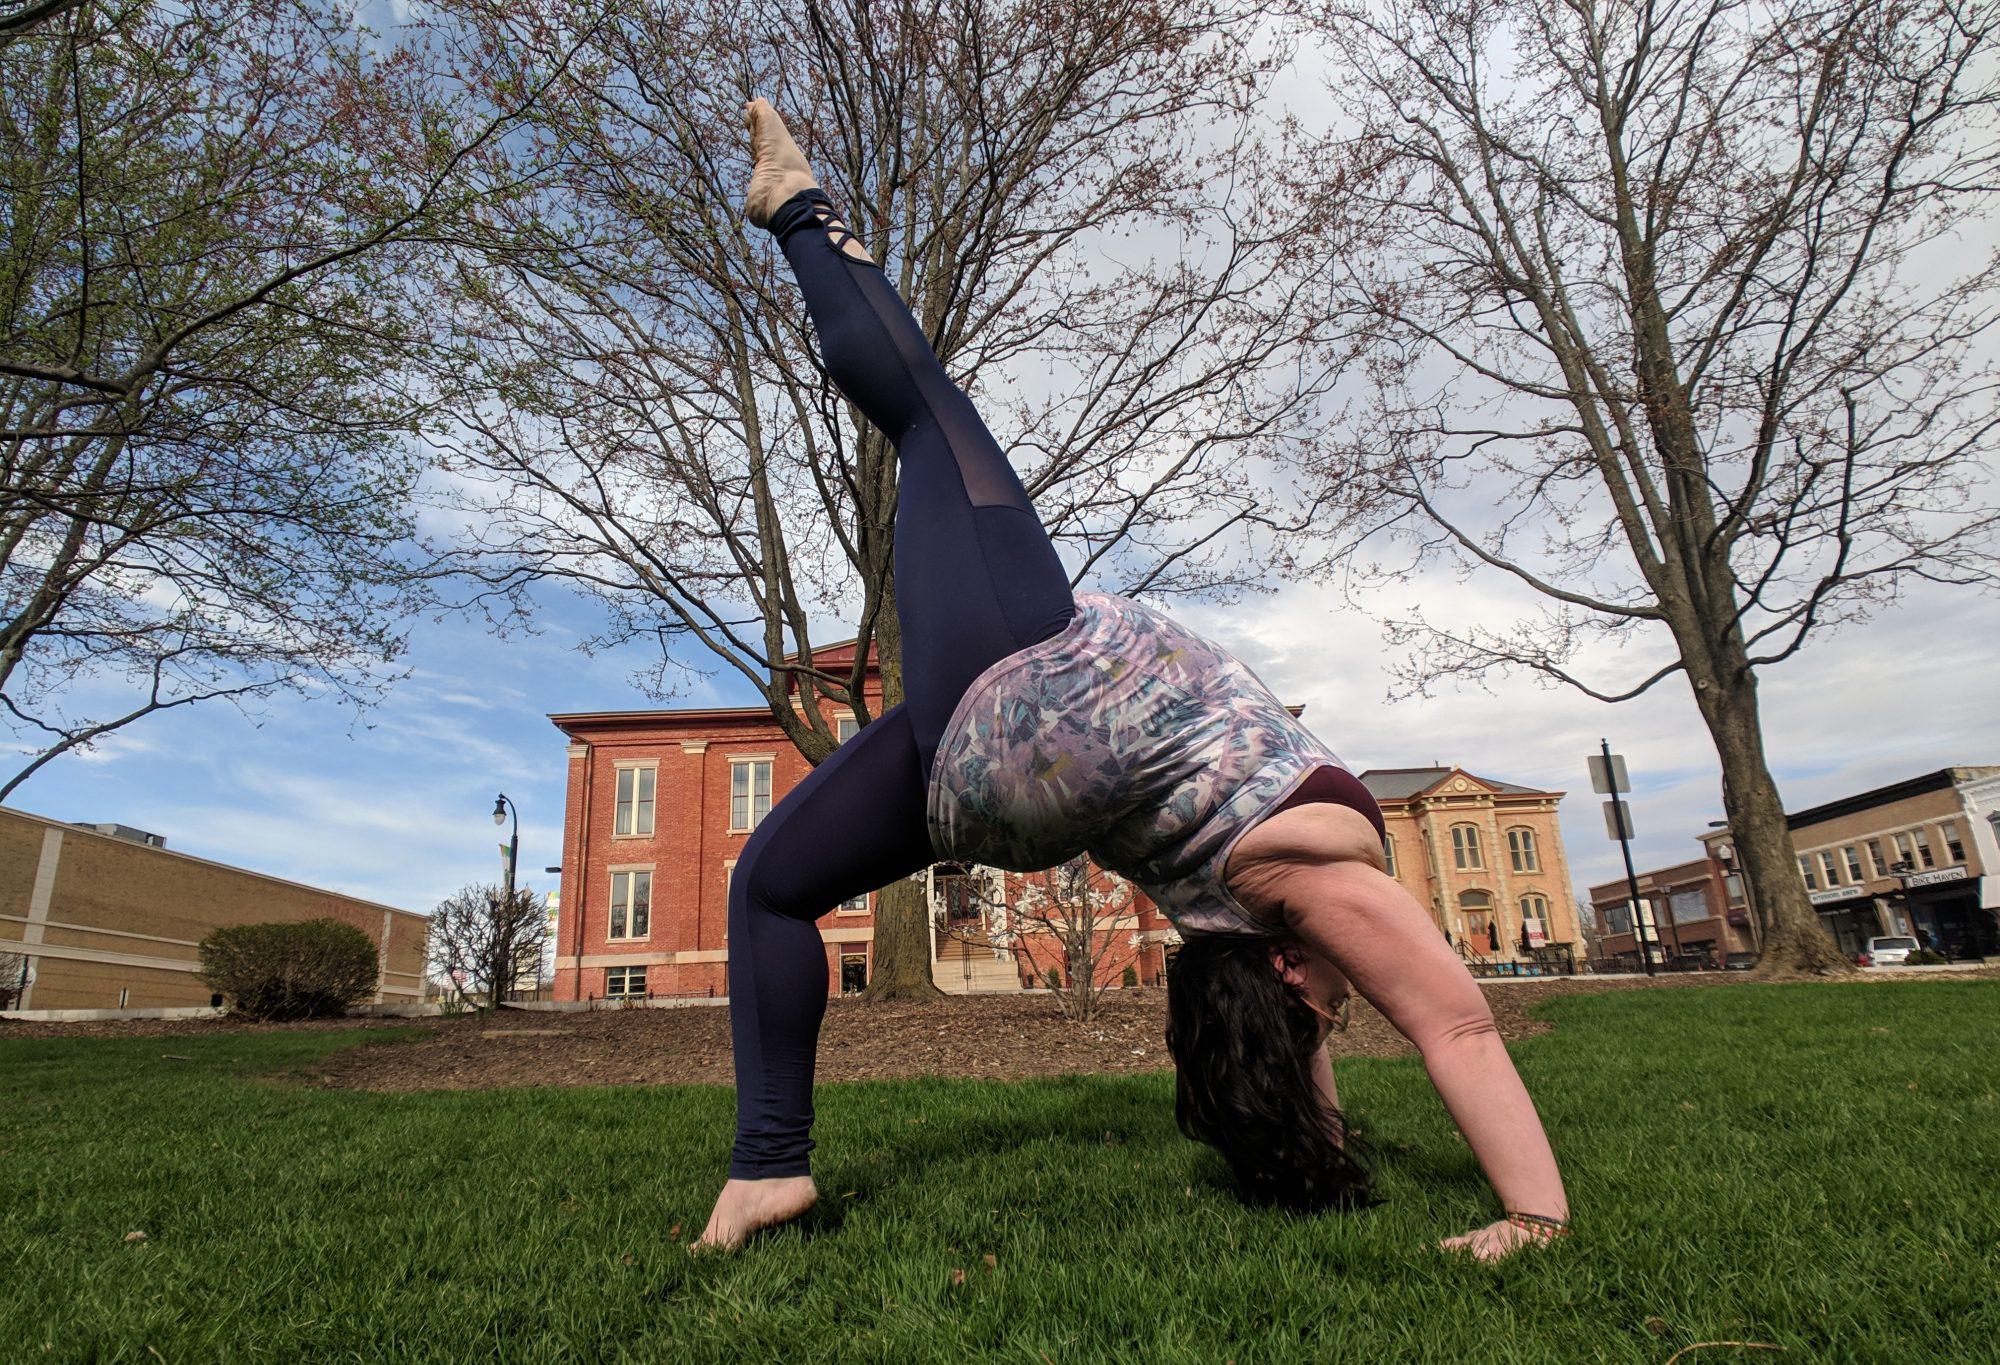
<point>1363,921</point>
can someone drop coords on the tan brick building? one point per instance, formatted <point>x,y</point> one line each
<point>106,918</point>
<point>1486,858</point>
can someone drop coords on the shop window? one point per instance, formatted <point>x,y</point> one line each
<point>624,983</point>
<point>631,904</point>
<point>1465,847</point>
<point>1952,847</point>
<point>853,971</point>
<point>634,807</point>
<point>1521,849</point>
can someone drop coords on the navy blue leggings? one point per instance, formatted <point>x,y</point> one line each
<point>976,580</point>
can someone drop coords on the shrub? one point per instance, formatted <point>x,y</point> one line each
<point>1050,979</point>
<point>1924,957</point>
<point>293,970</point>
<point>1129,979</point>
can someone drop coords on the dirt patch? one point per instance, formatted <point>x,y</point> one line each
<point>1002,1037</point>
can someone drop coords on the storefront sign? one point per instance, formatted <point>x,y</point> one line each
<point>1935,877</point>
<point>1835,895</point>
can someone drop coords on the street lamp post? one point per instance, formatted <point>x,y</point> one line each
<point>501,808</point>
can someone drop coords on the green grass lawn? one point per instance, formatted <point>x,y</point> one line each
<point>1816,1167</point>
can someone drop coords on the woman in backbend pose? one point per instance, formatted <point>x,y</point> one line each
<point>1040,724</point>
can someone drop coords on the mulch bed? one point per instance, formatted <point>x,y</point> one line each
<point>999,1037</point>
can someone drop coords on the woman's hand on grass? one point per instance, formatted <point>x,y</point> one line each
<point>1492,1242</point>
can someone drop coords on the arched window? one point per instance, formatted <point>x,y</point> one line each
<point>1521,848</point>
<point>1465,847</point>
<point>1536,907</point>
<point>1389,854</point>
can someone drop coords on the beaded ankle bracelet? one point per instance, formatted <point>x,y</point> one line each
<point>1546,1228</point>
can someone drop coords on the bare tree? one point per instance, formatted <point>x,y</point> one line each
<point>1076,906</point>
<point>220,247</point>
<point>487,945</point>
<point>1674,321</point>
<point>1072,197</point>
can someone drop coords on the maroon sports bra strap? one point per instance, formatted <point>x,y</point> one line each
<point>1342,788</point>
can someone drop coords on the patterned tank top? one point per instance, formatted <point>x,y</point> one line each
<point>1128,737</point>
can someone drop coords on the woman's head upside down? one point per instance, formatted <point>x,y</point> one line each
<point>1243,1040</point>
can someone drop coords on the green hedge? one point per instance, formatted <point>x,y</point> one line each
<point>302,969</point>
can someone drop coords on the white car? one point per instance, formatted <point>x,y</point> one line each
<point>1888,952</point>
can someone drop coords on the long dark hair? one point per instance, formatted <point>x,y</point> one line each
<point>1242,1038</point>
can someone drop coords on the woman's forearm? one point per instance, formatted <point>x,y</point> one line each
<point>1476,1079</point>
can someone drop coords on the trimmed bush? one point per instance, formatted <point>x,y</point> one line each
<point>1129,979</point>
<point>1924,957</point>
<point>1050,979</point>
<point>306,969</point>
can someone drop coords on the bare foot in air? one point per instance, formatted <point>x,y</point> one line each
<point>778,170</point>
<point>746,1205</point>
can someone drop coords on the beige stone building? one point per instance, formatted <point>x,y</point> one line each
<point>1486,858</point>
<point>104,917</point>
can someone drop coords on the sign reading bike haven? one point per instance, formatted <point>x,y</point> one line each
<point>1934,877</point>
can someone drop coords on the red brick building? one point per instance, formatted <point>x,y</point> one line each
<point>660,804</point>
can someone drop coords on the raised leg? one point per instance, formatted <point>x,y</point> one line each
<point>976,576</point>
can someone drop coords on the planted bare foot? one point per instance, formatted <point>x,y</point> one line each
<point>747,1205</point>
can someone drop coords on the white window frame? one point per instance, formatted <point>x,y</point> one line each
<point>1875,858</point>
<point>1852,855</point>
<point>752,761</point>
<point>857,906</point>
<point>624,974</point>
<point>611,905</point>
<point>1829,867</point>
<point>1521,851</point>
<point>728,881</point>
<point>841,732</point>
<point>1806,871</point>
<point>620,808</point>
<point>1924,855</point>
<point>1954,847</point>
<point>1468,847</point>
<point>1389,853</point>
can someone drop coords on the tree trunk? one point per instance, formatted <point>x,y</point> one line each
<point>902,966</point>
<point>1795,943</point>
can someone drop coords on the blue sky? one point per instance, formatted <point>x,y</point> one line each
<point>397,808</point>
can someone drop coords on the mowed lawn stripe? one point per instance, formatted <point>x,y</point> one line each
<point>1809,1166</point>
